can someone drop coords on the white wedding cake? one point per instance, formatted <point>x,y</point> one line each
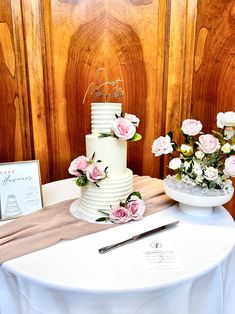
<point>112,152</point>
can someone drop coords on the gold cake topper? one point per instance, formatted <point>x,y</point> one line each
<point>98,87</point>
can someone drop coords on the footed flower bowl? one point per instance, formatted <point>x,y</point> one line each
<point>195,200</point>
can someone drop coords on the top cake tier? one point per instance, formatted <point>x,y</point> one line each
<point>102,116</point>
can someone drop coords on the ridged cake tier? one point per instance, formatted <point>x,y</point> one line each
<point>110,192</point>
<point>102,116</point>
<point>110,150</point>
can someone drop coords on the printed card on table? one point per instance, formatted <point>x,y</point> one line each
<point>20,188</point>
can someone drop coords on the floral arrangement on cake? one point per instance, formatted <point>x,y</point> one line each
<point>132,208</point>
<point>205,160</point>
<point>124,127</point>
<point>87,170</point>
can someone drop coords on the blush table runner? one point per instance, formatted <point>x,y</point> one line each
<point>54,223</point>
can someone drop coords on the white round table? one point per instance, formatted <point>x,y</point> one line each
<point>186,269</point>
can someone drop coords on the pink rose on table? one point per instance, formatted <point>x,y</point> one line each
<point>136,207</point>
<point>191,127</point>
<point>208,143</point>
<point>132,118</point>
<point>229,166</point>
<point>119,214</point>
<point>96,172</point>
<point>81,163</point>
<point>123,128</point>
<point>162,145</point>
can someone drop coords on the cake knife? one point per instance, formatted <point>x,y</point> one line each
<point>137,237</point>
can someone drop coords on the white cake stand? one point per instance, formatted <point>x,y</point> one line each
<point>197,205</point>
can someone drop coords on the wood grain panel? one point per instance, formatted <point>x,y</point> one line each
<point>214,71</point>
<point>33,37</point>
<point>183,16</point>
<point>8,86</point>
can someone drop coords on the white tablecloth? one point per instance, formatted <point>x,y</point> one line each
<point>194,275</point>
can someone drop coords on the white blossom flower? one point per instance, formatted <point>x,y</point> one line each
<point>199,154</point>
<point>197,169</point>
<point>211,173</point>
<point>175,163</point>
<point>226,148</point>
<point>186,165</point>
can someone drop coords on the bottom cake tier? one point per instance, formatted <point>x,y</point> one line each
<point>110,192</point>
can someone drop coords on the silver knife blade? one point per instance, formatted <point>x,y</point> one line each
<point>142,235</point>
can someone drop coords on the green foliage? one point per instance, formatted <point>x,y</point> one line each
<point>136,138</point>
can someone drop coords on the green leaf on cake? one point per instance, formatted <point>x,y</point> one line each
<point>81,181</point>
<point>136,137</point>
<point>105,134</point>
<point>136,193</point>
<point>102,219</point>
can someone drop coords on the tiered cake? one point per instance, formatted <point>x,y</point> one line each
<point>113,153</point>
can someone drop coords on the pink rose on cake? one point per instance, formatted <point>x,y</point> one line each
<point>123,128</point>
<point>87,170</point>
<point>96,172</point>
<point>136,207</point>
<point>132,208</point>
<point>119,214</point>
<point>80,163</point>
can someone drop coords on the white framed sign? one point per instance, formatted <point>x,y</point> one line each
<point>20,188</point>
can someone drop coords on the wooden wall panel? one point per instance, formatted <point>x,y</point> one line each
<point>182,24</point>
<point>214,67</point>
<point>15,141</point>
<point>34,41</point>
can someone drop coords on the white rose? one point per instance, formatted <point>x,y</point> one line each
<point>225,119</point>
<point>175,163</point>
<point>162,145</point>
<point>226,148</point>
<point>211,173</point>
<point>232,147</point>
<point>229,166</point>
<point>199,154</point>
<point>228,133</point>
<point>191,127</point>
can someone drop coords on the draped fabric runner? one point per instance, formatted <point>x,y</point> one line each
<point>54,223</point>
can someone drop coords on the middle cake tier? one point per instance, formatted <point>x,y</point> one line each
<point>110,150</point>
